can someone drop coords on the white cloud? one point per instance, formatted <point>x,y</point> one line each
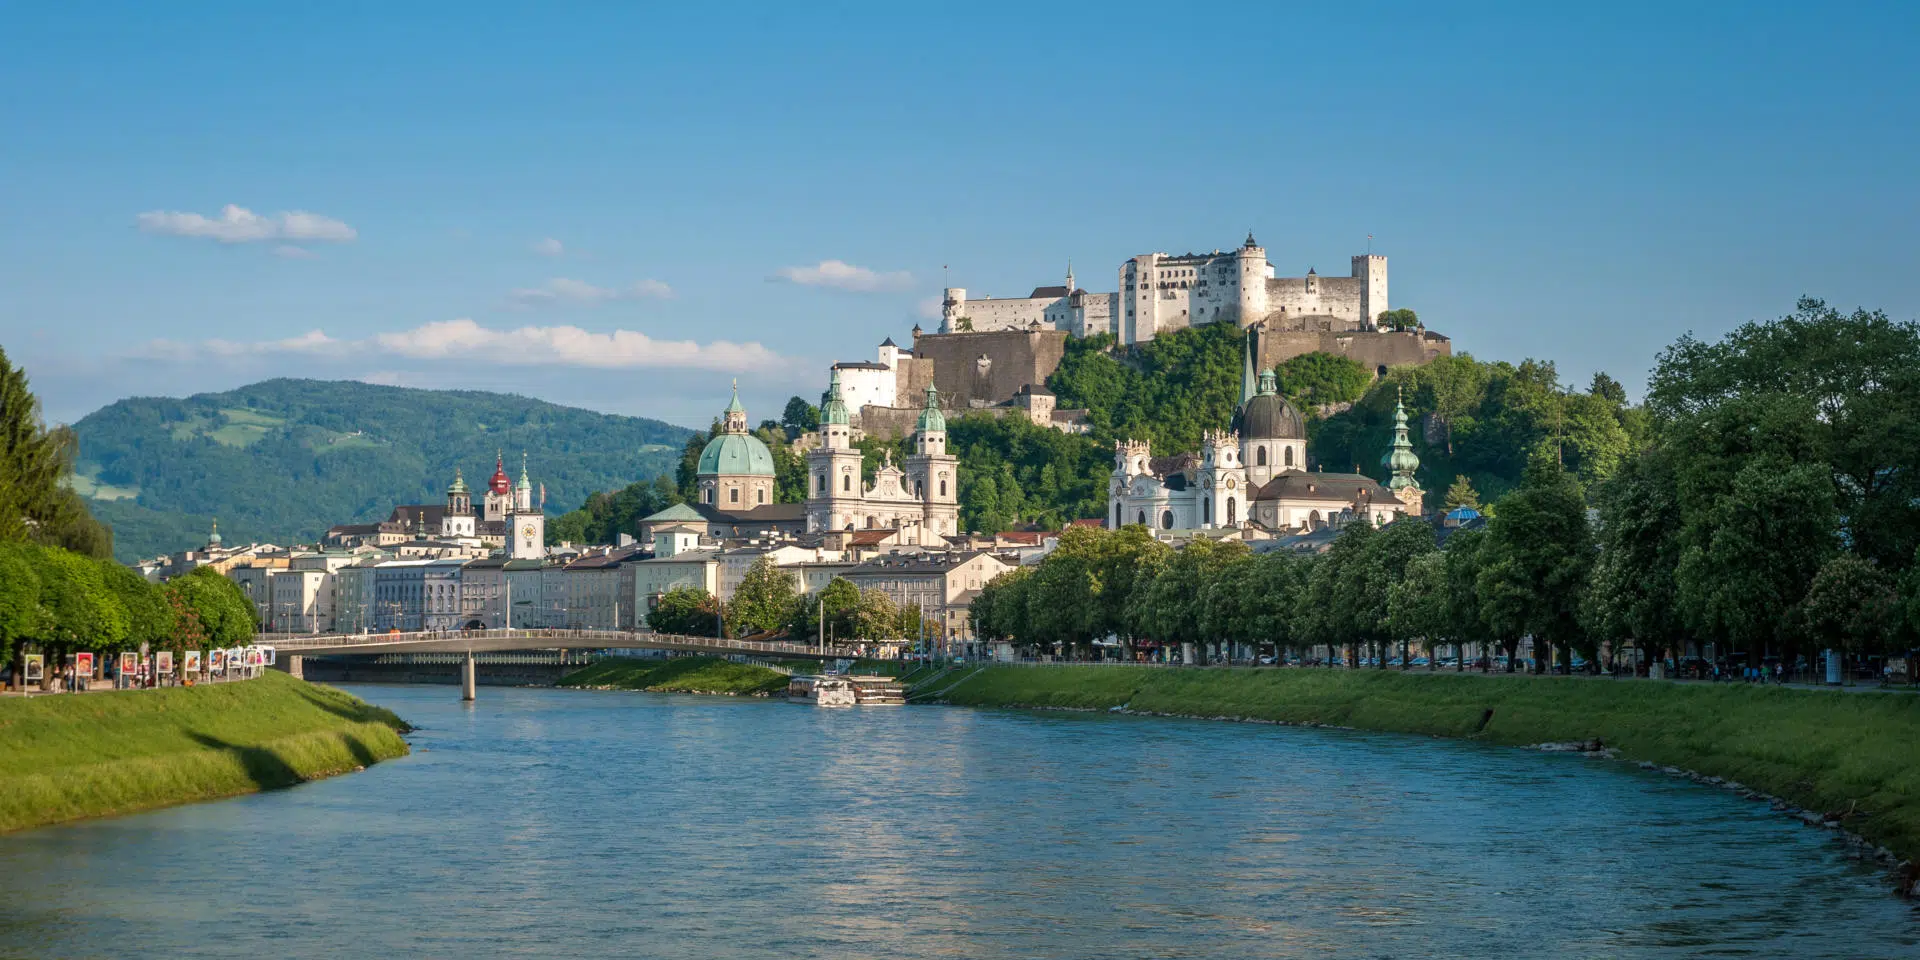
<point>549,247</point>
<point>566,292</point>
<point>841,275</point>
<point>467,341</point>
<point>237,224</point>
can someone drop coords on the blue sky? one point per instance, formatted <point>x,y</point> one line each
<point>638,191</point>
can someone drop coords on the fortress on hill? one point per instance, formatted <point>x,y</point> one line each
<point>995,354</point>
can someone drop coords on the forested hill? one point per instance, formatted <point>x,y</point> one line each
<point>285,459</point>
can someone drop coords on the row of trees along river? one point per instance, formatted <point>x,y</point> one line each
<point>60,590</point>
<point>1766,499</point>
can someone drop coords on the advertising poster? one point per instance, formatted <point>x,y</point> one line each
<point>36,667</point>
<point>218,663</point>
<point>268,654</point>
<point>83,665</point>
<point>254,657</point>
<point>129,662</point>
<point>193,661</point>
<point>163,663</point>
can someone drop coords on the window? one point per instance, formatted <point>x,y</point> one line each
<point>1206,509</point>
<point>1260,458</point>
<point>820,483</point>
<point>760,496</point>
<point>1233,515</point>
<point>1166,519</point>
<point>846,481</point>
<point>733,495</point>
<point>1289,456</point>
<point>1143,518</point>
<point>1116,516</point>
<point>943,488</point>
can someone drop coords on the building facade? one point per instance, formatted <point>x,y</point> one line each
<point>1158,292</point>
<point>922,501</point>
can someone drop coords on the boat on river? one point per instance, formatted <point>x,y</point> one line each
<point>841,690</point>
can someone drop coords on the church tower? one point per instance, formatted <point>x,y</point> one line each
<point>934,473</point>
<point>526,523</point>
<point>1222,481</point>
<point>458,519</point>
<point>834,485</point>
<point>1401,462</point>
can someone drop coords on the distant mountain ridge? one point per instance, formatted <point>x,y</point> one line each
<point>285,459</point>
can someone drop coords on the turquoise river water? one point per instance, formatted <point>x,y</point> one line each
<point>543,823</point>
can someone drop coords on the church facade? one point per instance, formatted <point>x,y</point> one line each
<point>1255,475</point>
<point>922,501</point>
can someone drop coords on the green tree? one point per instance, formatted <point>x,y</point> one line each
<point>688,611</point>
<point>1417,605</point>
<point>1461,607</point>
<point>1401,319</point>
<point>799,417</point>
<point>1750,557</point>
<point>218,607</point>
<point>764,601</point>
<point>22,618</point>
<point>1632,596</point>
<point>150,619</point>
<point>1852,606</point>
<point>1316,379</point>
<point>839,600</point>
<point>35,462</point>
<point>1461,494</point>
<point>1538,556</point>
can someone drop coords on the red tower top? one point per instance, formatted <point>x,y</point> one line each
<point>500,483</point>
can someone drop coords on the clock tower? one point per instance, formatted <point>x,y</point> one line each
<point>526,521</point>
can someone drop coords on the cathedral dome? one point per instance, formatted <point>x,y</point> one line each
<point>1270,417</point>
<point>736,453</point>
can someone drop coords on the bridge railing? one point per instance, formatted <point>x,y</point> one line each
<point>615,639</point>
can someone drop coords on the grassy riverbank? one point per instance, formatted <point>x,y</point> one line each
<point>1822,750</point>
<point>678,675</point>
<point>69,757</point>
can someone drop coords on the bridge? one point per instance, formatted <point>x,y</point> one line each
<point>293,646</point>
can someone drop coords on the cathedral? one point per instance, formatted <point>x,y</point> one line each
<point>922,501</point>
<point>1255,475</point>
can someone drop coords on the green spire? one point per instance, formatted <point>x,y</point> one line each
<point>931,418</point>
<point>213,539</point>
<point>524,484</point>
<point>834,410</point>
<point>735,406</point>
<point>1269,383</point>
<point>459,483</point>
<point>1401,461</point>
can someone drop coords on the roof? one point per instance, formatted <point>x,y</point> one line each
<point>1330,487</point>
<point>734,454</point>
<point>918,563</point>
<point>1042,292</point>
<point>1036,389</point>
<point>687,556</point>
<point>860,365</point>
<point>1029,537</point>
<point>678,512</point>
<point>524,565</point>
<point>1269,417</point>
<point>764,513</point>
<point>871,538</point>
<point>888,342</point>
<point>1095,523</point>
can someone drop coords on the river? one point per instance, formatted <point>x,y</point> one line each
<point>544,823</point>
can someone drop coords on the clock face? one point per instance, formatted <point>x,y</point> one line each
<point>527,531</point>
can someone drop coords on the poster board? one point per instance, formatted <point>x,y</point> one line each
<point>83,666</point>
<point>255,658</point>
<point>36,667</point>
<point>193,661</point>
<point>163,663</point>
<point>129,662</point>
<point>217,661</point>
<point>269,655</point>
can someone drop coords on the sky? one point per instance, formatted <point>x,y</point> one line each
<point>626,207</point>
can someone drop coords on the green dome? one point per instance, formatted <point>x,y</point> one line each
<point>736,453</point>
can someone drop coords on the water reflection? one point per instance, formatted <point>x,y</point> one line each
<point>572,824</point>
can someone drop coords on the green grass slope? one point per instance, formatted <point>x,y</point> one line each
<point>68,757</point>
<point>1820,749</point>
<point>678,675</point>
<point>283,459</point>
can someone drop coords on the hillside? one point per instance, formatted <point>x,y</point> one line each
<point>285,459</point>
